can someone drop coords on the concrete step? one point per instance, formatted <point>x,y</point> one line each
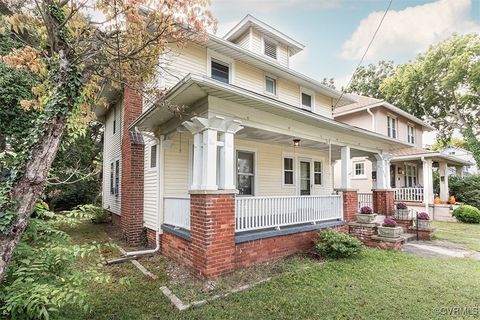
<point>409,237</point>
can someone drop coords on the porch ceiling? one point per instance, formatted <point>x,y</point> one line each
<point>259,135</point>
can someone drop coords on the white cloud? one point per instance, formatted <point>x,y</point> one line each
<point>409,31</point>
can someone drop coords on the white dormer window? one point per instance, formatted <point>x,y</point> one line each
<point>306,99</point>
<point>270,49</point>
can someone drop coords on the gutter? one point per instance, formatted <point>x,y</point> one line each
<point>373,119</point>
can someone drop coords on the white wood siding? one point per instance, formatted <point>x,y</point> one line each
<point>249,77</point>
<point>150,189</point>
<point>177,164</point>
<point>282,55</point>
<point>256,42</point>
<point>111,153</point>
<point>269,168</point>
<point>182,61</point>
<point>244,40</point>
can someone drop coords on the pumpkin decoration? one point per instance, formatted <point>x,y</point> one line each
<point>452,200</point>
<point>437,200</point>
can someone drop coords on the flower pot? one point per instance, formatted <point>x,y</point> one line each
<point>424,224</point>
<point>390,232</point>
<point>403,214</point>
<point>365,218</point>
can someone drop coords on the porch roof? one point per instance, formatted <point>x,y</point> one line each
<point>194,88</point>
<point>418,153</point>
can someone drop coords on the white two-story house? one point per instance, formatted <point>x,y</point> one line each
<point>256,143</point>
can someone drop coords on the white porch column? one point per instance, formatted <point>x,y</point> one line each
<point>209,160</point>
<point>227,155</point>
<point>383,172</point>
<point>427,182</point>
<point>346,168</point>
<point>443,170</point>
<point>197,161</point>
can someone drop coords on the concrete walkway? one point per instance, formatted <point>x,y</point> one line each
<point>439,248</point>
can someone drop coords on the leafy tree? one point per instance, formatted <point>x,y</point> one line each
<point>75,57</point>
<point>442,86</point>
<point>330,83</point>
<point>454,141</point>
<point>367,80</point>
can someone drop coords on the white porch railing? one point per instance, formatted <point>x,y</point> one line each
<point>253,213</point>
<point>177,211</point>
<point>365,199</point>
<point>409,194</point>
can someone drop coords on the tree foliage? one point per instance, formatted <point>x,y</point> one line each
<point>442,85</point>
<point>367,80</point>
<point>75,58</point>
<point>43,278</point>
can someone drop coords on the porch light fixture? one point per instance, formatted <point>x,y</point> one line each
<point>296,142</point>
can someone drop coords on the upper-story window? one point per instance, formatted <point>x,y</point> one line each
<point>153,156</point>
<point>392,127</point>
<point>114,120</point>
<point>411,134</point>
<point>220,71</point>
<point>270,49</point>
<point>271,85</point>
<point>306,99</point>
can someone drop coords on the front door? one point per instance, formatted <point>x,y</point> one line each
<point>392,176</point>
<point>305,178</point>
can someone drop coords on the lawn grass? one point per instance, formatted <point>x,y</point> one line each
<point>377,285</point>
<point>462,233</point>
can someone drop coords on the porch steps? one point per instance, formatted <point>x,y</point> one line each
<point>409,237</point>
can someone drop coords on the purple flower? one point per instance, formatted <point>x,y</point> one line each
<point>389,222</point>
<point>366,210</point>
<point>401,205</point>
<point>423,216</point>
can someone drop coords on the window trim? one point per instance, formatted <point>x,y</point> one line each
<point>311,93</point>
<point>359,176</point>
<point>413,138</point>
<point>292,170</point>
<point>267,75</point>
<point>114,120</point>
<point>112,177</point>
<point>254,152</point>
<point>117,178</point>
<point>315,172</point>
<point>150,167</point>
<point>220,58</point>
<point>411,165</point>
<point>394,120</point>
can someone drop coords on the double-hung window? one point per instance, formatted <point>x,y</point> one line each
<point>410,175</point>
<point>271,85</point>
<point>220,71</point>
<point>245,172</point>
<point>153,156</point>
<point>306,99</point>
<point>288,171</point>
<point>392,127</point>
<point>317,172</point>
<point>411,134</point>
<point>112,178</point>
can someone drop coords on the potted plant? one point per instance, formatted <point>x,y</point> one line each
<point>424,221</point>
<point>389,229</point>
<point>402,211</point>
<point>366,215</point>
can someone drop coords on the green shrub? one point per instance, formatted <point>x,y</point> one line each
<point>467,214</point>
<point>332,244</point>
<point>44,278</point>
<point>466,190</point>
<point>97,214</point>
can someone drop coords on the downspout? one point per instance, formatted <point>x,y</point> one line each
<point>373,119</point>
<point>157,233</point>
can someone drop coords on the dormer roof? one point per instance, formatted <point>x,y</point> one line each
<point>250,21</point>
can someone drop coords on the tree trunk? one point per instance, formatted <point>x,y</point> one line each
<point>30,186</point>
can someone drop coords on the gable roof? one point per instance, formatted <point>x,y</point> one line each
<point>418,153</point>
<point>250,21</point>
<point>364,103</point>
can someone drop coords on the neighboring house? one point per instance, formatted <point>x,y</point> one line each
<point>462,154</point>
<point>245,174</point>
<point>410,173</point>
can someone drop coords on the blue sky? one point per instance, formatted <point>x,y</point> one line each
<point>336,32</point>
